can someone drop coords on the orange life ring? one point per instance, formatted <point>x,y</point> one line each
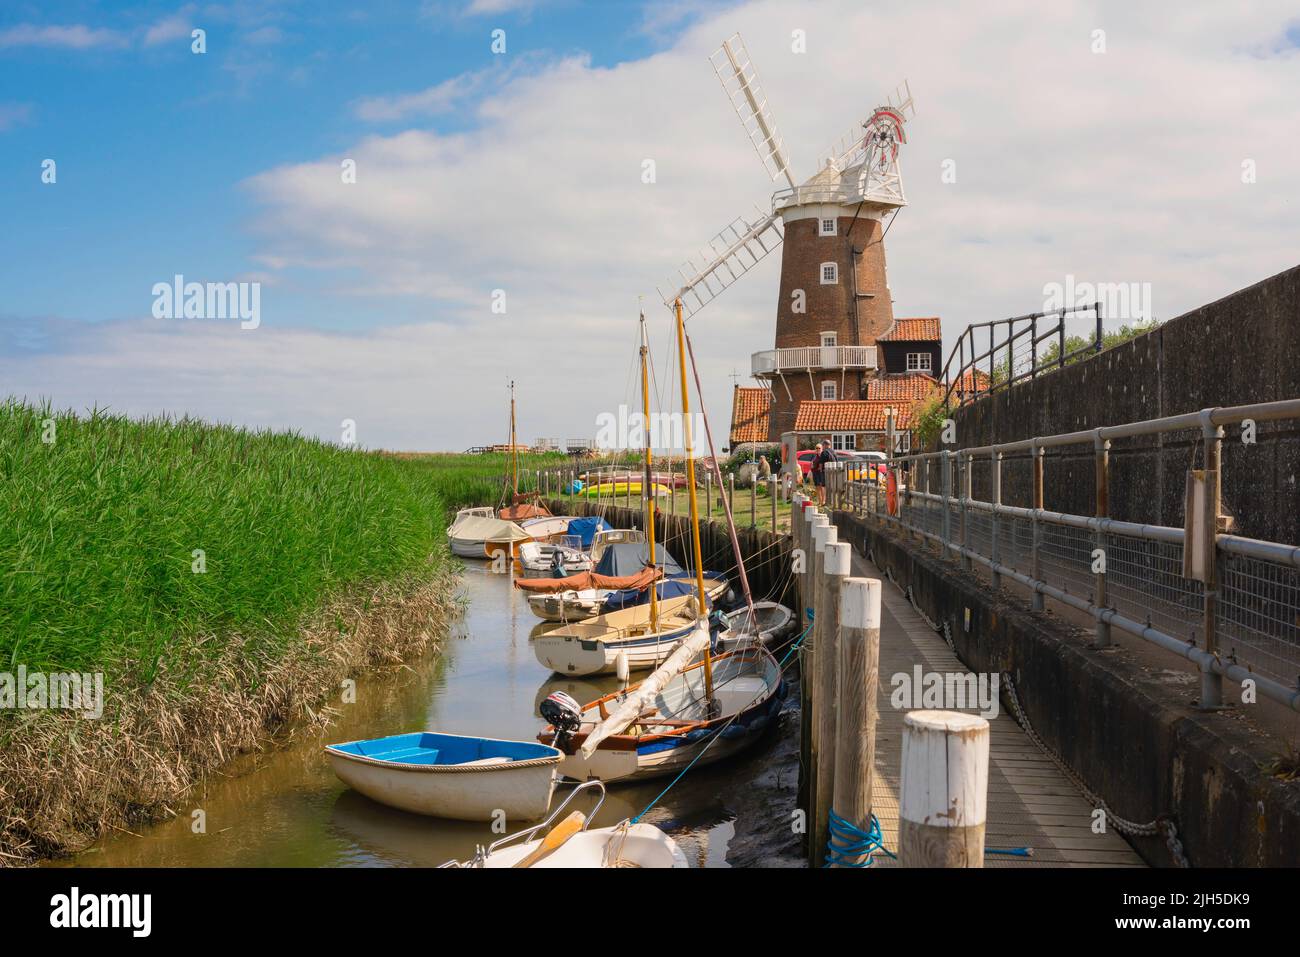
<point>891,491</point>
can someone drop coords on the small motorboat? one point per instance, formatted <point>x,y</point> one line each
<point>675,726</point>
<point>571,843</point>
<point>548,557</point>
<point>606,537</point>
<point>776,624</point>
<point>451,775</point>
<point>570,605</point>
<point>478,533</point>
<point>545,528</point>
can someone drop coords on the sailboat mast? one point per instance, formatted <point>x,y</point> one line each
<point>514,447</point>
<point>647,489</point>
<point>690,485</point>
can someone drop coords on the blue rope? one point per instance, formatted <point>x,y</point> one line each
<point>848,841</point>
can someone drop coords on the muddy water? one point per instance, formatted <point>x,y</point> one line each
<point>284,807</point>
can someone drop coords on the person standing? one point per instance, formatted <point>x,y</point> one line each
<point>818,469</point>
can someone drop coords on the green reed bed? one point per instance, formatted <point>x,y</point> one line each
<point>223,582</point>
<point>106,517</point>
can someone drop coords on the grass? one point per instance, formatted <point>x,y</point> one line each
<point>100,550</point>
<point>315,562</point>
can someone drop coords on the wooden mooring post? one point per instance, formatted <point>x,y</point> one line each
<point>823,535</point>
<point>836,558</point>
<point>943,795</point>
<point>856,676</point>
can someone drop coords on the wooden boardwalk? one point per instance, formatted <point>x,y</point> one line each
<point>1031,803</point>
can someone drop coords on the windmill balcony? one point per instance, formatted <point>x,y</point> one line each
<point>810,358</point>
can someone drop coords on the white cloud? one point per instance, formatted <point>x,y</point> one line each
<point>1114,167</point>
<point>440,98</point>
<point>478,8</point>
<point>174,27</point>
<point>74,37</point>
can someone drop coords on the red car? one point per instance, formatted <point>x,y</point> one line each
<point>808,456</point>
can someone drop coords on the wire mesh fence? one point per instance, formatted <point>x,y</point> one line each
<point>1254,606</point>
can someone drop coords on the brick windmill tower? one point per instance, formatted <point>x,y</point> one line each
<point>834,302</point>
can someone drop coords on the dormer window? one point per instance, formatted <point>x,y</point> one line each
<point>830,274</point>
<point>918,362</point>
<point>826,227</point>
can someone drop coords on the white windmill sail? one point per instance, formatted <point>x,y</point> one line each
<point>743,242</point>
<point>735,250</point>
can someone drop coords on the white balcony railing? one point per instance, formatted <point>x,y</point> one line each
<point>803,358</point>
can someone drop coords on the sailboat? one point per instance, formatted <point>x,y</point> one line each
<point>640,637</point>
<point>521,506</point>
<point>695,708</point>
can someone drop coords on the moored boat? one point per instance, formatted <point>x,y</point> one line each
<point>571,843</point>
<point>681,726</point>
<point>450,775</point>
<point>775,624</point>
<point>642,639</point>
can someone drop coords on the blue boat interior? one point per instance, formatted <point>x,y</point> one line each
<point>442,749</point>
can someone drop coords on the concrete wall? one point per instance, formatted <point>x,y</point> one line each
<point>1242,349</point>
<point>1137,741</point>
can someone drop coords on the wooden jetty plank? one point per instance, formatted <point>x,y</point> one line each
<point>1031,802</point>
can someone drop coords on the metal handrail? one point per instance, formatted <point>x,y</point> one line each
<point>1220,596</point>
<point>1030,333</point>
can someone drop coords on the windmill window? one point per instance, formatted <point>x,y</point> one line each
<point>827,227</point>
<point>918,362</point>
<point>830,274</point>
<point>830,339</point>
<point>828,391</point>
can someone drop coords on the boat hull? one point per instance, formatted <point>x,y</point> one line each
<point>643,845</point>
<point>521,790</point>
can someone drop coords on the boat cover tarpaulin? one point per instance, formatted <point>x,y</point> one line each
<point>586,528</point>
<point>628,558</point>
<point>673,588</point>
<point>583,580</point>
<point>476,528</point>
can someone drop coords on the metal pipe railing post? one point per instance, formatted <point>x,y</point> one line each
<point>946,488</point>
<point>1102,450</point>
<point>995,522</point>
<point>1211,682</point>
<point>1037,567</point>
<point>1100,334</point>
<point>965,509</point>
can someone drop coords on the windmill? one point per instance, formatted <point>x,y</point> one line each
<point>834,300</point>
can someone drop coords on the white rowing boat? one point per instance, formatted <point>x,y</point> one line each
<point>571,843</point>
<point>450,775</point>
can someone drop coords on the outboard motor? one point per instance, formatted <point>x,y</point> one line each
<point>564,715</point>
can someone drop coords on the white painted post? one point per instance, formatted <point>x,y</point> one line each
<point>857,673</point>
<point>943,795</point>
<point>836,559</point>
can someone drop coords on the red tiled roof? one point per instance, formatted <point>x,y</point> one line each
<point>749,408</point>
<point>849,415</point>
<point>972,380</point>
<point>914,330</point>
<point>904,387</point>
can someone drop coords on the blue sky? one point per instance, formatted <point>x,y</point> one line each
<point>522,172</point>
<point>152,141</point>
